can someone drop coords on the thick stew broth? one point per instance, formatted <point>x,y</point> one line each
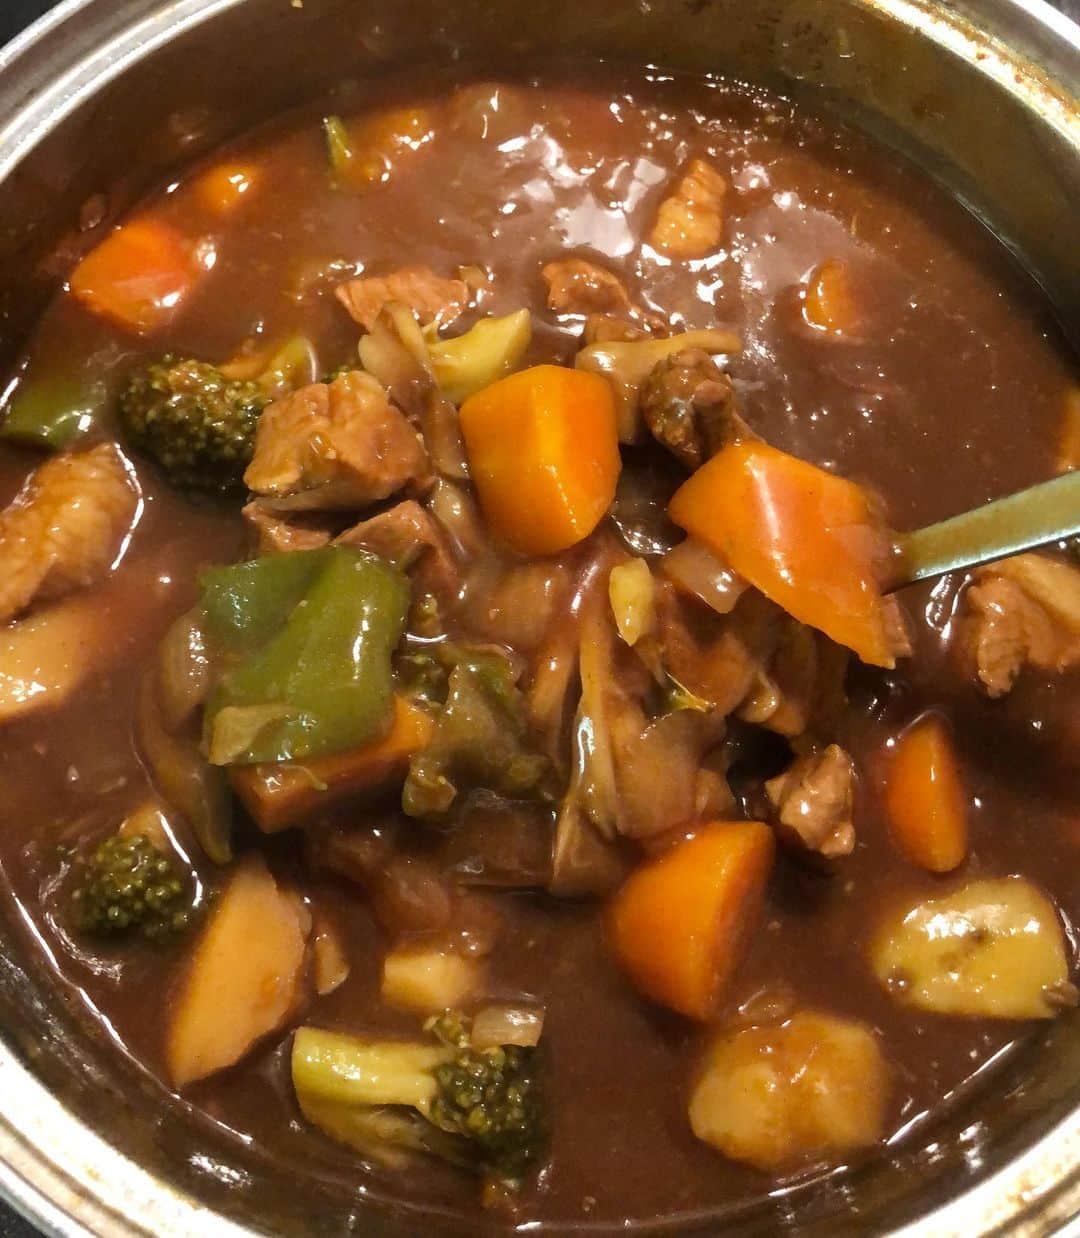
<point>884,338</point>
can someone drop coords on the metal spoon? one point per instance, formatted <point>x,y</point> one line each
<point>1037,516</point>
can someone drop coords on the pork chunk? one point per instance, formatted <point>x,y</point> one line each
<point>576,286</point>
<point>813,802</point>
<point>273,533</point>
<point>430,297</point>
<point>1021,611</point>
<point>689,404</point>
<point>65,526</point>
<point>690,221</point>
<point>408,536</point>
<point>334,446</point>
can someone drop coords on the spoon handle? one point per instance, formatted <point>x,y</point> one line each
<point>1047,512</point>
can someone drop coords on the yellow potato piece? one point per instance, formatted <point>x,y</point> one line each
<point>45,658</point>
<point>243,979</point>
<point>992,948</point>
<point>426,981</point>
<point>790,1092</point>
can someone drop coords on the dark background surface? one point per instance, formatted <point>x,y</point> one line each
<point>14,15</point>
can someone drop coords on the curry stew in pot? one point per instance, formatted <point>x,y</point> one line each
<point>458,735</point>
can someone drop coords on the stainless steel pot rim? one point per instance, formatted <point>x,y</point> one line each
<point>57,1171</point>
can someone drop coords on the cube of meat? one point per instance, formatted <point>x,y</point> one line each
<point>333,446</point>
<point>690,221</point>
<point>64,528</point>
<point>576,286</point>
<point>430,297</point>
<point>408,536</point>
<point>813,802</point>
<point>690,406</point>
<point>1021,611</point>
<point>273,533</point>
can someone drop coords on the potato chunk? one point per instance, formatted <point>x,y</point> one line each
<point>427,980</point>
<point>992,948</point>
<point>780,1094</point>
<point>244,977</point>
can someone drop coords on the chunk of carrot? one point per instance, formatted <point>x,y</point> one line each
<point>278,796</point>
<point>924,796</point>
<point>681,923</point>
<point>805,538</point>
<point>138,276</point>
<point>1068,456</point>
<point>830,303</point>
<point>543,451</point>
<point>221,189</point>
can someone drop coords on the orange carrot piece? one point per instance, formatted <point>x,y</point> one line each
<point>1068,456</point>
<point>138,276</point>
<point>221,189</point>
<point>681,923</point>
<point>805,538</point>
<point>924,796</point>
<point>543,450</point>
<point>278,796</point>
<point>830,302</point>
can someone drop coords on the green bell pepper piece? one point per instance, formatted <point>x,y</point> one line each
<point>323,682</point>
<point>246,603</point>
<point>51,412</point>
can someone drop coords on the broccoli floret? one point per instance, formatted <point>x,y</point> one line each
<point>196,423</point>
<point>475,1107</point>
<point>128,887</point>
<point>491,1097</point>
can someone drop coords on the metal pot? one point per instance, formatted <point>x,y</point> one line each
<point>105,96</point>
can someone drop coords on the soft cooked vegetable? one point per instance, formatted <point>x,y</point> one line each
<point>128,886</point>
<point>185,674</point>
<point>363,154</point>
<point>829,300</point>
<point>429,979</point>
<point>471,1105</point>
<point>992,948</point>
<point>51,411</point>
<point>680,924</point>
<point>696,570</point>
<point>196,423</point>
<point>329,958</point>
<point>480,737</point>
<point>1068,453</point>
<point>322,682</point>
<point>627,364</point>
<point>488,351</point>
<point>632,593</point>
<point>244,978</point>
<point>780,1094</point>
<point>544,456</point>
<point>139,276</point>
<point>806,539</point>
<point>279,796</point>
<point>183,777</point>
<point>924,796</point>
<point>396,353</point>
<point>44,659</point>
<point>222,188</point>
